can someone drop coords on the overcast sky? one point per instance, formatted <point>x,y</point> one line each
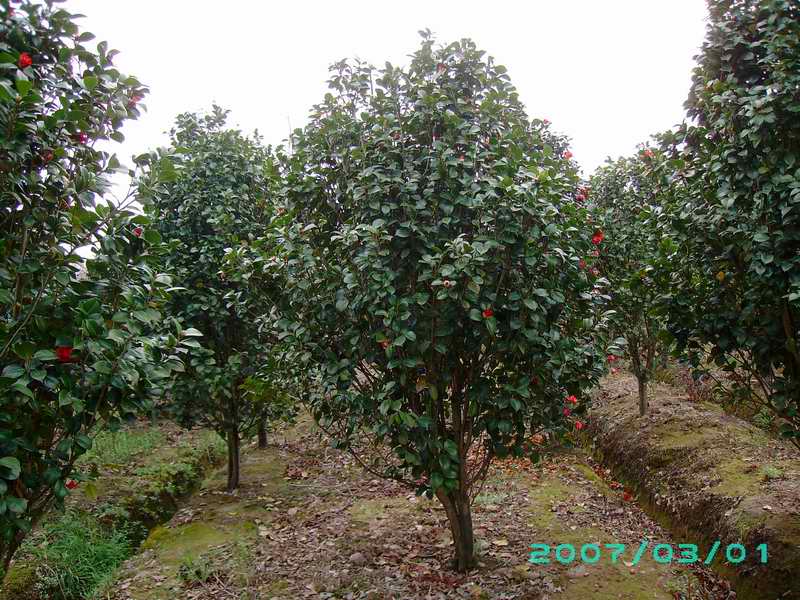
<point>608,73</point>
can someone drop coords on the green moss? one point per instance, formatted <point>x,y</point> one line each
<point>367,511</point>
<point>614,581</point>
<point>737,478</point>
<point>686,438</point>
<point>18,583</point>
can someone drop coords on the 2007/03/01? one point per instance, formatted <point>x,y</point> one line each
<point>661,553</point>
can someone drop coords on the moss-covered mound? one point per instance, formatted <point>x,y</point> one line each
<point>708,476</point>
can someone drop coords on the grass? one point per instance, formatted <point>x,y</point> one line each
<point>118,447</point>
<point>78,556</point>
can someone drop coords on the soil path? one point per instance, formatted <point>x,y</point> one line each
<point>308,523</point>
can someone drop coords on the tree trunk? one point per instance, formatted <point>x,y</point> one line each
<point>459,516</point>
<point>262,434</point>
<point>233,459</point>
<point>642,395</point>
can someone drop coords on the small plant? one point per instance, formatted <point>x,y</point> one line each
<point>196,570</point>
<point>77,556</point>
<point>768,473</point>
<point>117,447</point>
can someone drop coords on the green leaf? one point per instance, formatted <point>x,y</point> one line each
<point>11,467</point>
<point>90,82</point>
<point>152,236</point>
<point>13,371</point>
<point>191,332</point>
<point>16,505</point>
<point>23,86</point>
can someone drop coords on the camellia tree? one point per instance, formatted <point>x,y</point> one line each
<point>626,194</point>
<point>217,200</point>
<point>735,208</point>
<point>428,244</point>
<point>80,338</point>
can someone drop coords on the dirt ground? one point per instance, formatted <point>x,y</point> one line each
<point>309,523</point>
<point>707,472</point>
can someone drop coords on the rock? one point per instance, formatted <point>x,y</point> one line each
<point>357,558</point>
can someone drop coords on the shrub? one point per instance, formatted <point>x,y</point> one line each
<point>217,198</point>
<point>626,195</point>
<point>81,339</point>
<point>429,258</point>
<point>735,203</point>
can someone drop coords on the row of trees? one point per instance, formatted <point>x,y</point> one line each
<point>705,249</point>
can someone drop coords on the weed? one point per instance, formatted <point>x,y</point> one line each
<point>78,556</point>
<point>118,447</point>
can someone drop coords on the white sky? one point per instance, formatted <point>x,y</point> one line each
<point>608,73</point>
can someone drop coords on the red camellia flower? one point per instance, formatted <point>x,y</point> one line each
<point>580,197</point>
<point>598,237</point>
<point>25,60</point>
<point>627,495</point>
<point>579,425</point>
<point>135,99</point>
<point>47,156</point>
<point>573,399</point>
<point>649,153</point>
<point>611,358</point>
<point>567,412</point>
<point>582,264</point>
<point>71,484</point>
<point>488,313</point>
<point>567,154</point>
<point>64,353</point>
<point>81,137</point>
<point>546,121</point>
<point>137,231</point>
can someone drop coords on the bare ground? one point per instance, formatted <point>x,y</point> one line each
<point>309,523</point>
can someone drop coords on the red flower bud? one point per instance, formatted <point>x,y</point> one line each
<point>567,155</point>
<point>567,412</point>
<point>573,399</point>
<point>580,197</point>
<point>25,60</point>
<point>627,495</point>
<point>598,237</point>
<point>81,137</point>
<point>47,156</point>
<point>137,231</point>
<point>579,425</point>
<point>648,153</point>
<point>64,353</point>
<point>71,484</point>
<point>488,313</point>
<point>441,68</point>
<point>611,358</point>
<point>546,121</point>
<point>614,371</point>
<point>582,264</point>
